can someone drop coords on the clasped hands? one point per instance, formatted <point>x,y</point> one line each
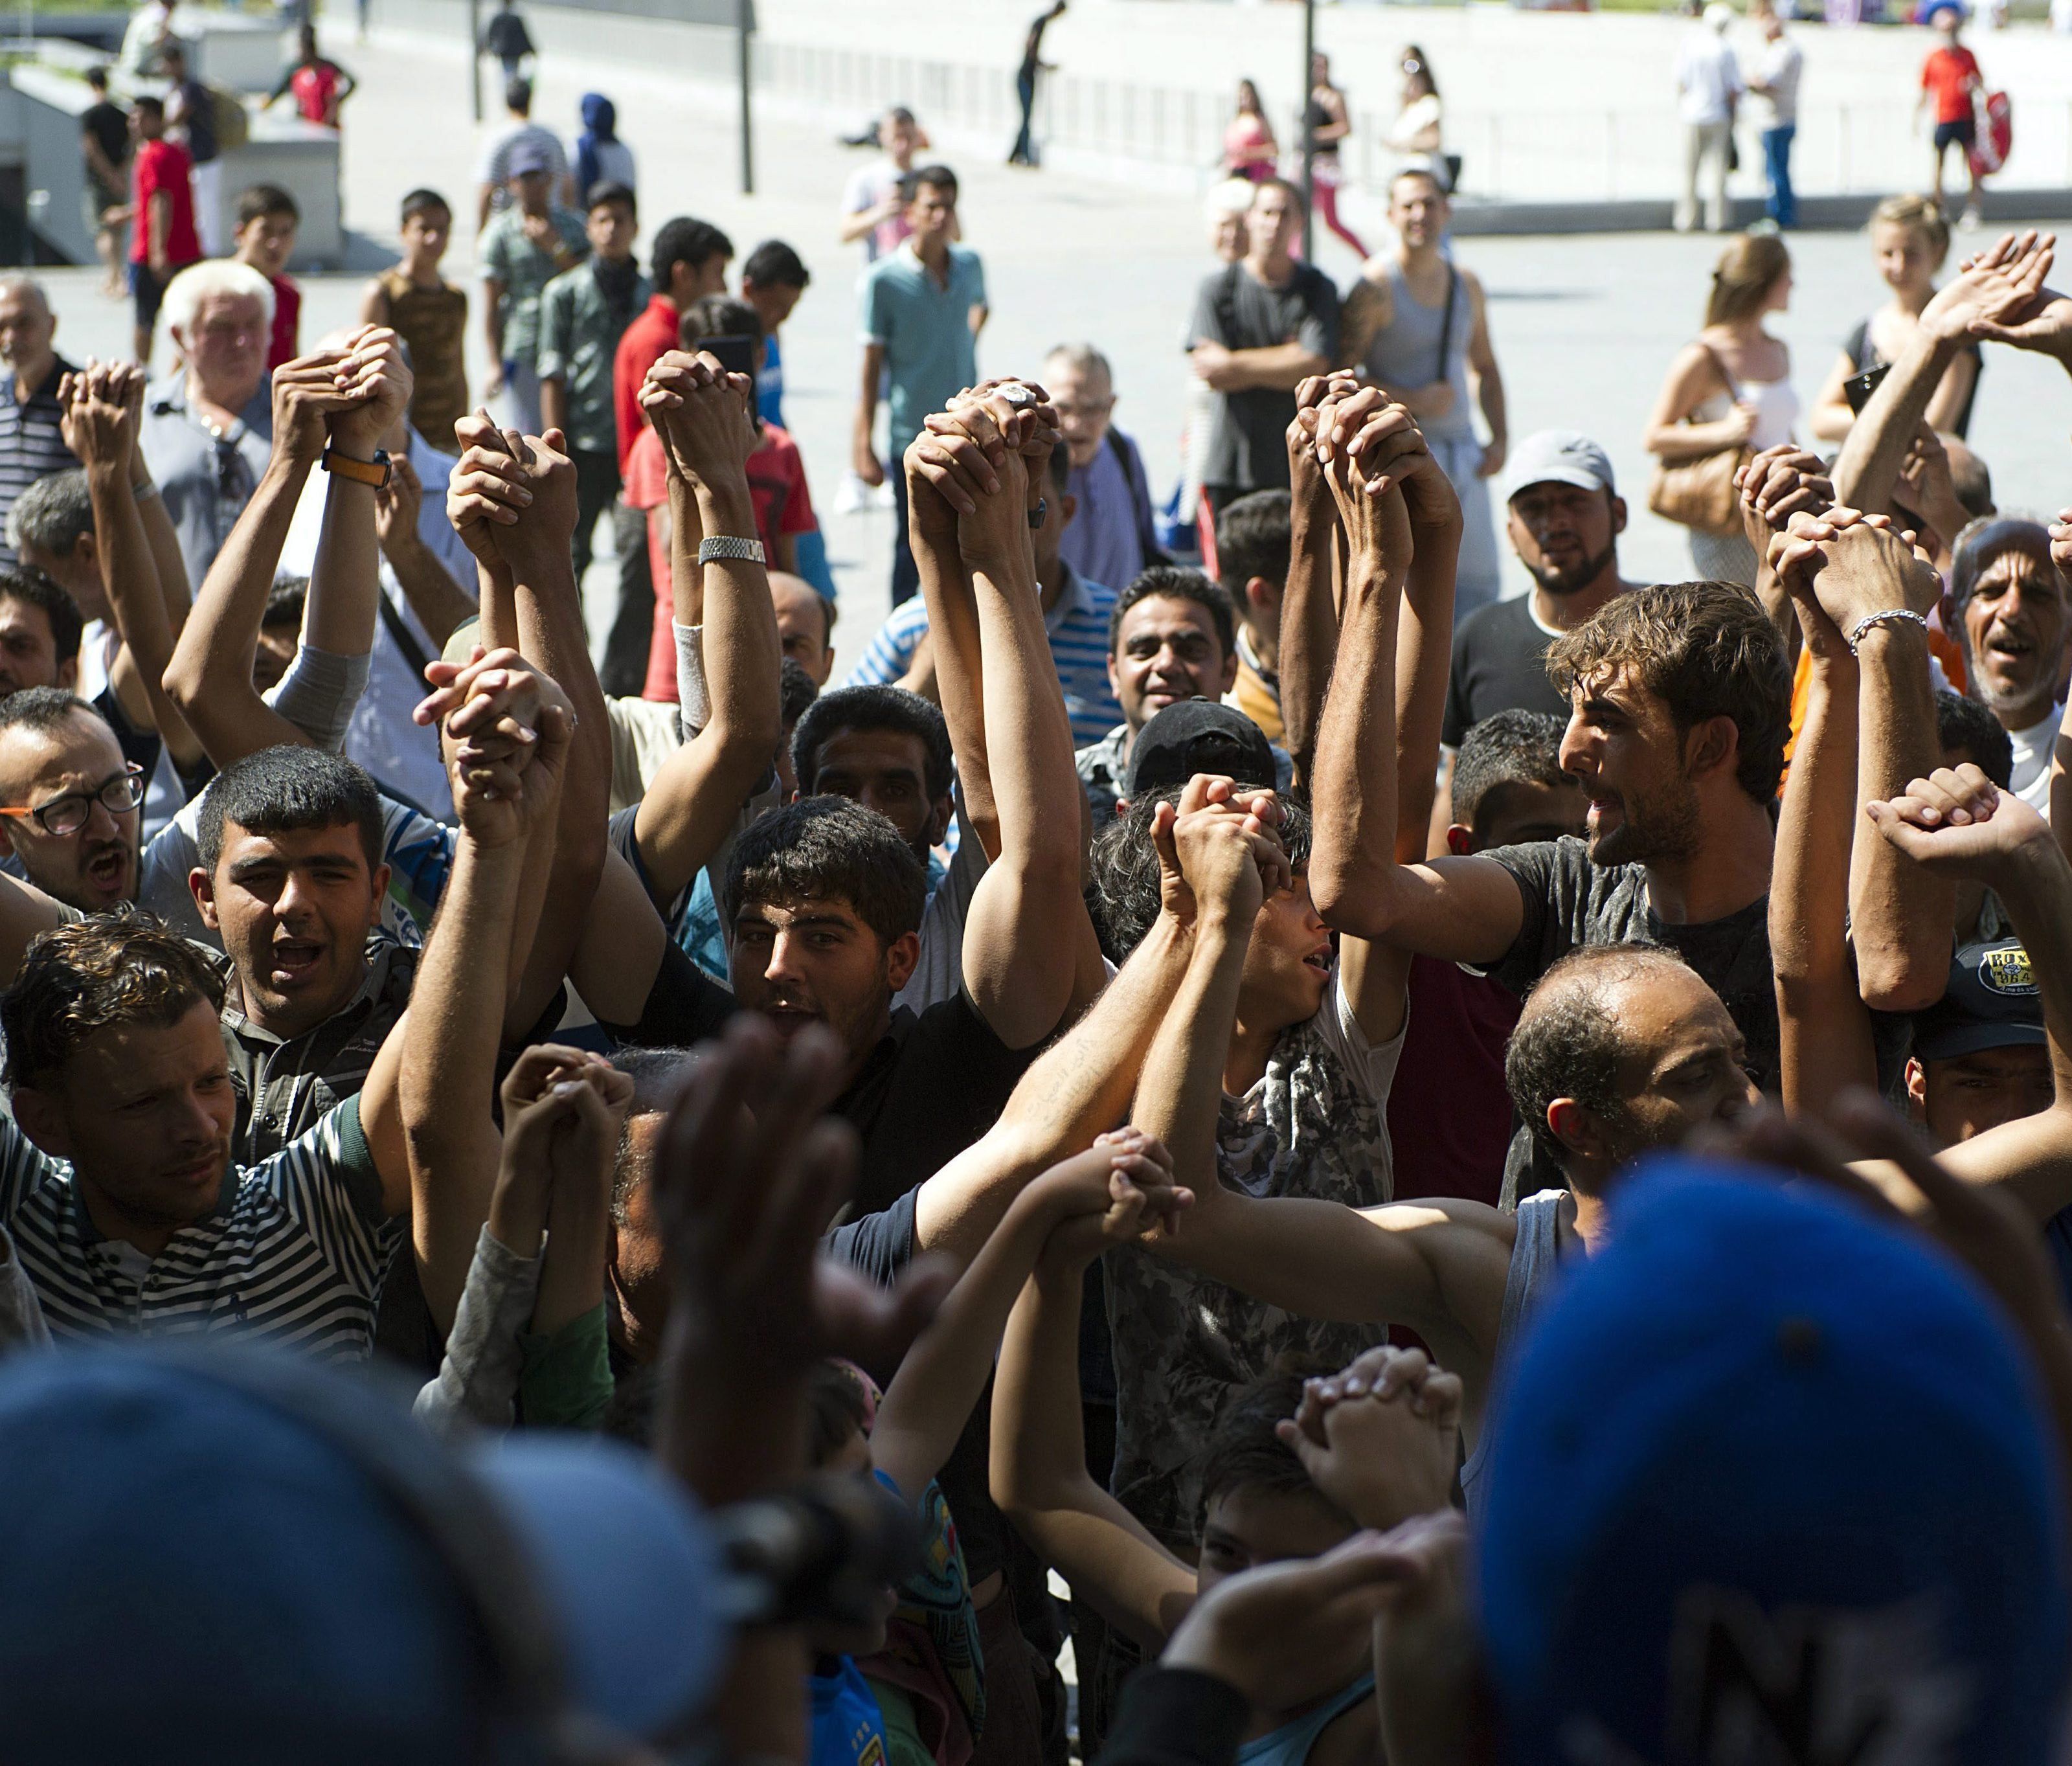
<point>976,472</point>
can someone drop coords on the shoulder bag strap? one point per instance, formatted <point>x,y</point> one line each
<point>1446,324</point>
<point>1720,368</point>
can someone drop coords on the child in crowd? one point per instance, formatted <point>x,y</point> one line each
<point>267,223</point>
<point>772,282</point>
<point>428,313</point>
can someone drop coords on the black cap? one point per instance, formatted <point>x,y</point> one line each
<point>1991,1003</point>
<point>1200,735</point>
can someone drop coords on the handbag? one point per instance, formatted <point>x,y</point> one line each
<point>1700,494</point>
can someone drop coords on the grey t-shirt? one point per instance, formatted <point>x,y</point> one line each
<point>1248,442</point>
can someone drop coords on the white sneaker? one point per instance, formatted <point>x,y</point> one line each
<point>1969,220</point>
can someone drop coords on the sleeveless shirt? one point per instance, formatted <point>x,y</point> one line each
<point>1535,1255</point>
<point>431,322</point>
<point>1405,352</point>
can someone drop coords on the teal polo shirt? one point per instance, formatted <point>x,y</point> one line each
<point>924,329</point>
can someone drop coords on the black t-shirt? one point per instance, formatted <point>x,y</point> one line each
<point>198,118</point>
<point>109,125</point>
<point>1499,665</point>
<point>506,37</point>
<point>1248,441</point>
<point>933,1085</point>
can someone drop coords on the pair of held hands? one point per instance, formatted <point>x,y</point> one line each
<point>563,1110</point>
<point>976,472</point>
<point>512,496</point>
<point>1357,458</point>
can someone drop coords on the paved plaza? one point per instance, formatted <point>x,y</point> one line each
<point>1584,326</point>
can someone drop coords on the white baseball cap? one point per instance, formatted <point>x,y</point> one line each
<point>1560,457</point>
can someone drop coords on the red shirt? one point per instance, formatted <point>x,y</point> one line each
<point>287,322</point>
<point>315,88</point>
<point>777,487</point>
<point>159,167</point>
<point>1950,73</point>
<point>644,343</point>
<point>1449,1115</point>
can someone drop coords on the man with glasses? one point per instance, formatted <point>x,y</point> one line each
<point>72,799</point>
<point>208,428</point>
<point>1113,536</point>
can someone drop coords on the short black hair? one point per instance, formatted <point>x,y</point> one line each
<point>773,264</point>
<point>424,202</point>
<point>828,849</point>
<point>1514,747</point>
<point>150,104</point>
<point>874,708</point>
<point>34,589</point>
<point>47,710</point>
<point>1964,723</point>
<point>1252,539</point>
<point>796,689</point>
<point>1569,1041</point>
<point>257,201</point>
<point>684,241</point>
<point>1060,468</point>
<point>518,95</point>
<point>658,1075</point>
<point>1122,868</point>
<point>935,177</point>
<point>286,602</point>
<point>1178,582</point>
<point>718,315</point>
<point>290,789</point>
<point>1245,1451</point>
<point>52,513</point>
<point>610,190</point>
<point>98,78</point>
<point>123,967</point>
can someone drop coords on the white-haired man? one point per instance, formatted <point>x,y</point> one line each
<point>208,428</point>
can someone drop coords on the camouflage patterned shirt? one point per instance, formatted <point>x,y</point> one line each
<point>1315,1125</point>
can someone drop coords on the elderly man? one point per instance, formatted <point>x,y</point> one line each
<point>208,428</point>
<point>31,446</point>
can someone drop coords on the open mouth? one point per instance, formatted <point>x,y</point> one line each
<point>108,869</point>
<point>294,959</point>
<point>1319,959</point>
<point>1601,810</point>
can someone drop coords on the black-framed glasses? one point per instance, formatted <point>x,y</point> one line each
<point>68,814</point>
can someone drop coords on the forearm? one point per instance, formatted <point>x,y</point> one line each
<point>478,1378</point>
<point>1039,1457</point>
<point>1180,1092</point>
<point>448,1073</point>
<point>743,655</point>
<point>572,1274</point>
<point>440,603</point>
<point>1424,654</point>
<point>1354,845</point>
<point>158,222</point>
<point>553,403</point>
<point>1490,394</point>
<point>1282,367</point>
<point>1824,1029</point>
<point>136,603</point>
<point>345,576</point>
<point>1900,913</point>
<point>1672,442</point>
<point>947,666</point>
<point>1309,640</point>
<point>1875,448</point>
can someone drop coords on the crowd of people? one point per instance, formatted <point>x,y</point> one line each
<point>1481,1178</point>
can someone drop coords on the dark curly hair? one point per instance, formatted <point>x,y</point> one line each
<point>123,967</point>
<point>1245,1453</point>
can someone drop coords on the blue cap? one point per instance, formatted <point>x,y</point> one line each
<point>194,1573</point>
<point>1766,1464</point>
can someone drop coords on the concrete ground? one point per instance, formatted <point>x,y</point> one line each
<point>1584,326</point>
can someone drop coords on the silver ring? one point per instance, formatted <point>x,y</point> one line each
<point>1018,395</point>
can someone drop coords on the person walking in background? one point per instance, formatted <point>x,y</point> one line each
<point>1249,149</point>
<point>1111,535</point>
<point>1033,63</point>
<point>1326,124</point>
<point>1418,133</point>
<point>316,84</point>
<point>1708,83</point>
<point>267,223</point>
<point>923,308</point>
<point>1910,239</point>
<point>583,314</point>
<point>602,157</point>
<point>1949,78</point>
<point>428,313</point>
<point>493,187</point>
<point>161,215</point>
<point>1418,327</point>
<point>773,279</point>
<point>527,246</point>
<point>873,202</point>
<point>104,141</point>
<point>506,37</point>
<point>191,123</point>
<point>1730,387</point>
<point>1773,87</point>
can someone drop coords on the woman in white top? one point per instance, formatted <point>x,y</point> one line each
<point>1418,132</point>
<point>1730,387</point>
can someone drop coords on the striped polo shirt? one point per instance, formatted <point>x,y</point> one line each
<point>31,446</point>
<point>293,1253</point>
<point>1078,626</point>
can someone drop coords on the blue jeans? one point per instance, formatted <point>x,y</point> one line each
<point>1024,152</point>
<point>1783,206</point>
<point>905,572</point>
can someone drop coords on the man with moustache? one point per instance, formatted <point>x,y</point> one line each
<point>2009,599</point>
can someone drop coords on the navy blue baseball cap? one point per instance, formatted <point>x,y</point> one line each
<point>192,1573</point>
<point>1764,1473</point>
<point>1992,1002</point>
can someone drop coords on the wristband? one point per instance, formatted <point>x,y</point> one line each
<point>1886,616</point>
<point>729,545</point>
<point>144,492</point>
<point>377,472</point>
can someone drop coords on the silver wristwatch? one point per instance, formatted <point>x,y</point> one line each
<point>728,545</point>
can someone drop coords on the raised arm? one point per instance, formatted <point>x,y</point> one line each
<point>425,1107</point>
<point>440,603</point>
<point>2001,842</point>
<point>704,417</point>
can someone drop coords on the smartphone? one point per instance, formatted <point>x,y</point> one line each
<point>1858,388</point>
<point>736,354</point>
